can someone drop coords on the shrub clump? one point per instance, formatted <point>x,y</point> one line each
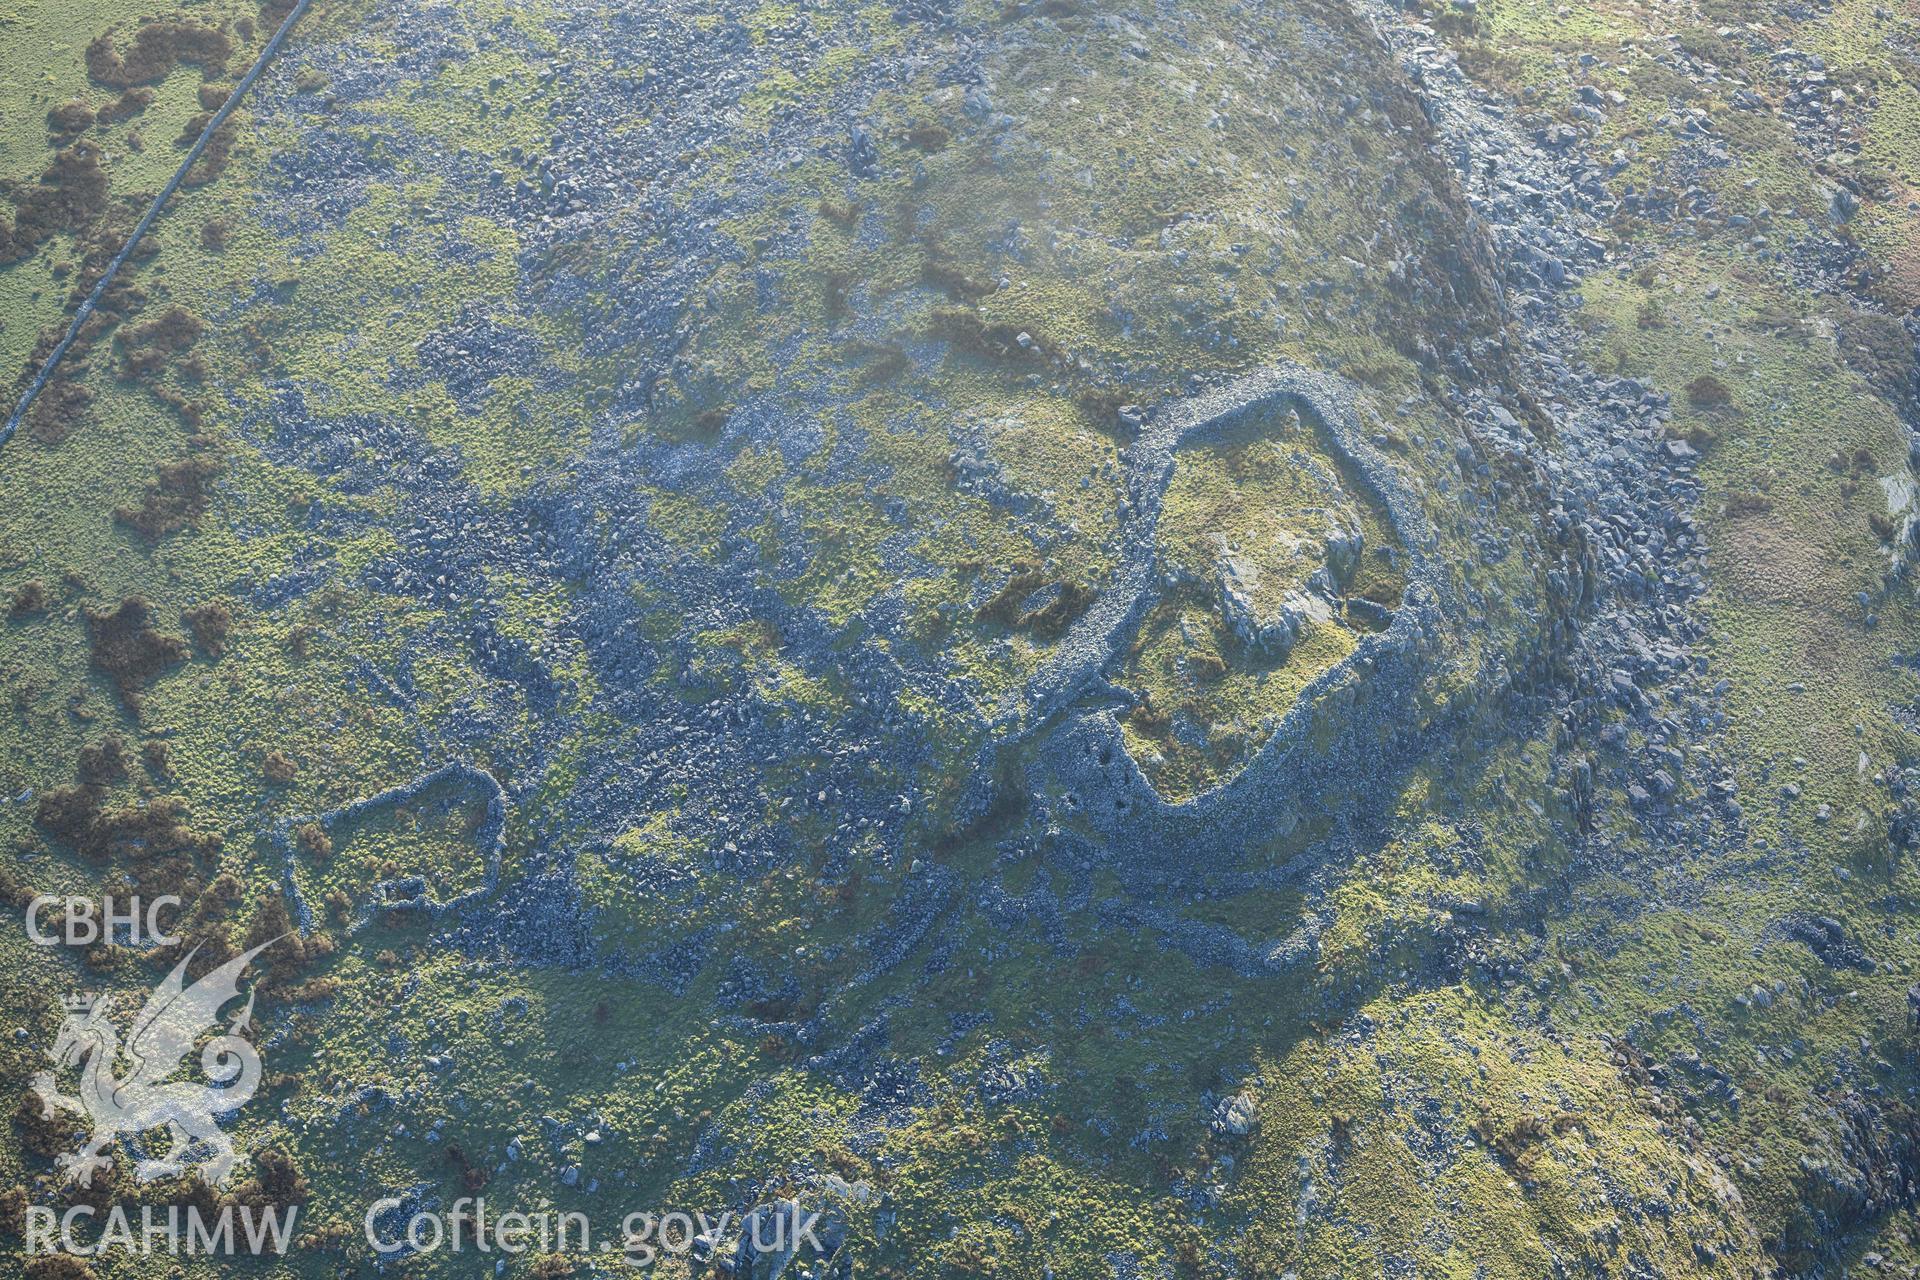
<point>157,48</point>
<point>71,193</point>
<point>60,408</point>
<point>1708,392</point>
<point>929,137</point>
<point>312,840</point>
<point>55,1266</point>
<point>40,1134</point>
<point>102,764</point>
<point>180,493</point>
<point>128,648</point>
<point>13,1212</point>
<point>472,1176</point>
<point>210,623</point>
<point>969,331</point>
<point>145,348</point>
<point>29,598</point>
<point>213,161</point>
<point>1033,603</point>
<point>78,816</point>
<point>290,952</point>
<point>841,213</point>
<point>277,1181</point>
<point>127,105</point>
<point>70,118</point>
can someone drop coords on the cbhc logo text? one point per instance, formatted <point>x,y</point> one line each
<point>88,922</point>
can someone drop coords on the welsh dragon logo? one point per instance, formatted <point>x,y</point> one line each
<point>144,1099</point>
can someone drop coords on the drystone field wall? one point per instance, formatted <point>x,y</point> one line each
<point>406,892</point>
<point>694,553</point>
<point>1337,742</point>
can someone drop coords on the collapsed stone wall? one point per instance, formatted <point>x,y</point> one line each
<point>1347,727</point>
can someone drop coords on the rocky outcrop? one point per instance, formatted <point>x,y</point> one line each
<point>1270,627</point>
